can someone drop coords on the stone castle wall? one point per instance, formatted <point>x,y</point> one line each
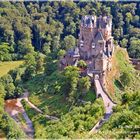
<point>95,45</point>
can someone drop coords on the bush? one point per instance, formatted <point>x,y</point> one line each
<point>82,64</point>
<point>126,79</point>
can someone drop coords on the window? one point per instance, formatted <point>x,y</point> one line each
<point>81,43</point>
<point>93,45</point>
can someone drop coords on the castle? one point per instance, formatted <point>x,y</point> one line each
<point>95,46</point>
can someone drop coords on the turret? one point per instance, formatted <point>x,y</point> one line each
<point>88,21</point>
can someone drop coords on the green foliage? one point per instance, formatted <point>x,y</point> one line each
<point>127,72</point>
<point>61,53</point>
<point>124,122</point>
<point>126,79</point>
<point>43,26</point>
<point>77,124</point>
<point>39,63</point>
<point>29,73</point>
<point>2,95</point>
<point>7,123</point>
<point>52,28</point>
<point>82,64</point>
<point>134,49</point>
<point>84,85</point>
<point>124,43</point>
<point>71,80</point>
<point>51,66</point>
<point>8,85</point>
<point>5,50</point>
<point>69,42</point>
<point>30,59</point>
<point>46,49</point>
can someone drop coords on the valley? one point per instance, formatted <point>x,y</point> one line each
<point>69,69</point>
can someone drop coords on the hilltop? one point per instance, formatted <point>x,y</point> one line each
<point>75,77</point>
<point>57,104</point>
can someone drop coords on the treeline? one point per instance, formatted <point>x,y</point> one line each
<point>50,27</point>
<point>7,89</point>
<point>124,123</point>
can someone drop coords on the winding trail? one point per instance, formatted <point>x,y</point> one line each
<point>25,97</point>
<point>14,107</point>
<point>108,103</point>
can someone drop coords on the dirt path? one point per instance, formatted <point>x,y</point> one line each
<point>14,107</point>
<point>25,97</point>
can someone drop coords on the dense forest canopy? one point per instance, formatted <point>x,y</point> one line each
<point>39,33</point>
<point>49,26</point>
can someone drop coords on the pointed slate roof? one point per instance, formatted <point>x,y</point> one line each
<point>98,36</point>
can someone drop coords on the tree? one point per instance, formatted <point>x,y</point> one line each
<point>61,53</point>
<point>8,86</point>
<point>84,85</point>
<point>71,28</point>
<point>134,49</point>
<point>2,95</point>
<point>30,60</point>
<point>46,49</point>
<point>124,43</point>
<point>82,64</point>
<point>71,74</point>
<point>10,90</point>
<point>69,42</point>
<point>25,48</point>
<point>5,51</point>
<point>39,62</point>
<point>29,73</point>
<point>126,79</point>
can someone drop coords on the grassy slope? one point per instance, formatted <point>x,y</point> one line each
<point>52,104</point>
<point>5,67</point>
<point>120,64</point>
<point>55,104</point>
<point>125,119</point>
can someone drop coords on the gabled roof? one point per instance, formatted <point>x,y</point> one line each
<point>98,36</point>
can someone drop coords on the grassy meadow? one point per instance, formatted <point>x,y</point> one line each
<point>5,67</point>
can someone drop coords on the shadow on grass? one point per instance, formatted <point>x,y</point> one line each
<point>118,84</point>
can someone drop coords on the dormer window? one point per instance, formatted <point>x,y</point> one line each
<point>101,44</point>
<point>81,43</point>
<point>93,45</point>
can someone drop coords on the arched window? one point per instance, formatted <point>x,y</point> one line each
<point>82,42</point>
<point>93,45</point>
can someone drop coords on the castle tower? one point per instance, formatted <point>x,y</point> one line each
<point>95,44</point>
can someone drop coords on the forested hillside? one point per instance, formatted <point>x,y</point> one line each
<point>38,34</point>
<point>50,27</point>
